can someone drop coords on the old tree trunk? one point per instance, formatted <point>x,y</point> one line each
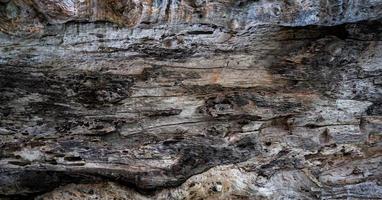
<point>190,99</point>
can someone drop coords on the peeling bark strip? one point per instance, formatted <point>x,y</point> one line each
<point>187,99</point>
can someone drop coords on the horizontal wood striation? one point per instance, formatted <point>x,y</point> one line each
<point>190,99</point>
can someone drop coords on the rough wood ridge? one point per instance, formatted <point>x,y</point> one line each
<point>190,99</point>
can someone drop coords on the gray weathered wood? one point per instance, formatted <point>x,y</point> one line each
<point>190,99</point>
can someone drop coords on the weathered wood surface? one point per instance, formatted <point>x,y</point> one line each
<point>190,99</point>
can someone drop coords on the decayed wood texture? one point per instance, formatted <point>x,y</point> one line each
<point>190,99</point>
